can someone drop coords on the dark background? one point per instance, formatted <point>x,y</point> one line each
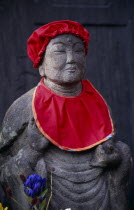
<point>110,61</point>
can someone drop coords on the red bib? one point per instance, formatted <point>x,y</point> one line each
<point>72,123</point>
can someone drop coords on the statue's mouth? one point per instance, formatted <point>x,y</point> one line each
<point>71,69</point>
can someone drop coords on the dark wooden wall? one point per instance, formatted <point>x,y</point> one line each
<point>110,61</point>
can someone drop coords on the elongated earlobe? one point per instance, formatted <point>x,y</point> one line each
<point>41,71</point>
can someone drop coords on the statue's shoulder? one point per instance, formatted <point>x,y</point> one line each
<point>20,109</point>
<point>16,118</point>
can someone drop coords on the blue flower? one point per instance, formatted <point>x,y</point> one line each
<point>34,185</point>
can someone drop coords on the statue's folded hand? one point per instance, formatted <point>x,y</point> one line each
<point>106,154</point>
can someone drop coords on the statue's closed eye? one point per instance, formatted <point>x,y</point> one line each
<point>60,51</point>
<point>79,50</point>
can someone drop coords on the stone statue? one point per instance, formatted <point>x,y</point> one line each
<point>94,178</point>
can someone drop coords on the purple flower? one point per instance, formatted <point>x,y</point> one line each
<point>34,185</point>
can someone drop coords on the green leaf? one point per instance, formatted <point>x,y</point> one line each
<point>29,199</point>
<point>35,208</point>
<point>44,193</point>
<point>42,205</point>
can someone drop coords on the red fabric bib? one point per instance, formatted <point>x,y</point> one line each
<point>72,123</point>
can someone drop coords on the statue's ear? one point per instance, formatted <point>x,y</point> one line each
<point>41,71</point>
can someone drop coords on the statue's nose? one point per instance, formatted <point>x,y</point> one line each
<point>70,57</point>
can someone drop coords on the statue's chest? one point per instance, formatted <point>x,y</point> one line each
<point>75,182</point>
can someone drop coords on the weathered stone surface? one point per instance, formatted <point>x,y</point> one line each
<point>93,179</point>
<point>16,119</point>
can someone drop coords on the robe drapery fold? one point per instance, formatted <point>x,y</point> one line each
<point>72,123</point>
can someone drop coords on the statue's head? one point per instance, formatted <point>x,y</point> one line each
<point>59,50</point>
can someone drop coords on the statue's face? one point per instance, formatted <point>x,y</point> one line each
<point>64,60</point>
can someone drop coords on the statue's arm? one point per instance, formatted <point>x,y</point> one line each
<point>115,158</point>
<point>119,177</point>
<point>19,126</point>
<point>16,119</point>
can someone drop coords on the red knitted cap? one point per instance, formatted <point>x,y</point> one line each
<point>40,38</point>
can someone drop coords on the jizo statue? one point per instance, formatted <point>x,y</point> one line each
<point>64,124</point>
